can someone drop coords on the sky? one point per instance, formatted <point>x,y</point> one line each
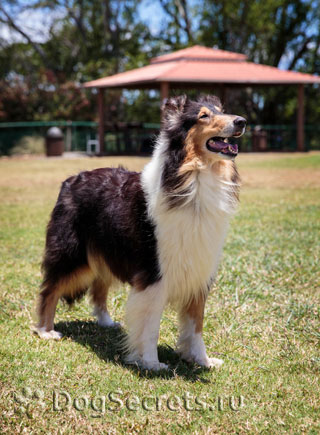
<point>36,23</point>
<point>151,13</point>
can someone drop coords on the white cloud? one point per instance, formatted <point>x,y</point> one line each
<point>35,23</point>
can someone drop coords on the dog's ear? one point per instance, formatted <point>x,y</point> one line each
<point>174,105</point>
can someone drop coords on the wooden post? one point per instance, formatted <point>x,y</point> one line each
<point>223,94</point>
<point>101,113</point>
<point>300,119</point>
<point>164,94</point>
<point>164,91</point>
<point>69,136</point>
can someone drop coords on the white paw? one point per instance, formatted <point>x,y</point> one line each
<point>134,359</point>
<point>211,362</point>
<point>108,323</point>
<point>105,320</point>
<point>204,362</point>
<point>153,365</point>
<point>48,335</point>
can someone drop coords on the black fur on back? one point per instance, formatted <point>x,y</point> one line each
<point>104,209</point>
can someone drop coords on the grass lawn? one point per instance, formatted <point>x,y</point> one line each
<point>262,318</point>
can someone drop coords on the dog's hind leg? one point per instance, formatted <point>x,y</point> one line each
<point>190,344</point>
<point>48,300</point>
<point>143,314</point>
<point>99,293</point>
<point>68,287</point>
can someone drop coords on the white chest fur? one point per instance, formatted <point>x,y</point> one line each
<point>190,238</point>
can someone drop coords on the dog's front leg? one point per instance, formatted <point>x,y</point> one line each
<point>143,315</point>
<point>190,344</point>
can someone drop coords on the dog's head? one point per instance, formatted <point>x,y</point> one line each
<point>200,128</point>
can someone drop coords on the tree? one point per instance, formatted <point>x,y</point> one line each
<point>89,39</point>
<point>86,40</point>
<point>178,28</point>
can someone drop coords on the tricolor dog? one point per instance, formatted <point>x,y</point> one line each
<point>162,231</point>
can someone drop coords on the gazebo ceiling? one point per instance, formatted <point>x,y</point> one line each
<point>201,66</point>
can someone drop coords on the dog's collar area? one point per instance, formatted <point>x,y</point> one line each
<point>220,145</point>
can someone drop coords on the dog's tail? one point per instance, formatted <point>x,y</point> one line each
<point>67,274</point>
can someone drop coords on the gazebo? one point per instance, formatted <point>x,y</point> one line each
<point>202,68</point>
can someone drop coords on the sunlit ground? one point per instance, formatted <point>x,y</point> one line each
<point>262,318</point>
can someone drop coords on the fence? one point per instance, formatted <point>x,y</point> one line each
<point>278,138</point>
<point>138,138</point>
<point>76,133</point>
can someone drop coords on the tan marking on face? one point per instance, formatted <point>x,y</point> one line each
<point>193,144</point>
<point>195,310</point>
<point>218,108</point>
<point>204,111</point>
<point>197,137</point>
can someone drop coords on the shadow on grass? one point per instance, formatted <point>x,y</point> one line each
<point>106,343</point>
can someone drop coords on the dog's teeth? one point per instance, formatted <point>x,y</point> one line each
<point>225,140</point>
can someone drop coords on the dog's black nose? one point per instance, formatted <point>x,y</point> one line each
<point>240,122</point>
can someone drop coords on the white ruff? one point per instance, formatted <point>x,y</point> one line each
<point>190,237</point>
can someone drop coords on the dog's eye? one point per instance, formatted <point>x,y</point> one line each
<point>205,115</point>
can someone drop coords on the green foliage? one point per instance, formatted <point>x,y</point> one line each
<point>24,100</point>
<point>40,77</point>
<point>274,32</point>
<point>88,40</point>
<point>265,30</point>
<point>143,105</point>
<point>29,145</point>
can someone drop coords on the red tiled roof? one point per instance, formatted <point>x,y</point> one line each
<point>197,52</point>
<point>229,72</point>
<point>202,65</point>
<point>145,74</point>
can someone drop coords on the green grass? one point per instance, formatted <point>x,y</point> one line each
<point>262,318</point>
<point>285,161</point>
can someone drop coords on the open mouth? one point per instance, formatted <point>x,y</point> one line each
<point>221,145</point>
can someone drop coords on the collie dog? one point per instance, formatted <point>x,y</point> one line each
<point>161,231</point>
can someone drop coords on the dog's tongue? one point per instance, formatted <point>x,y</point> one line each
<point>223,147</point>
